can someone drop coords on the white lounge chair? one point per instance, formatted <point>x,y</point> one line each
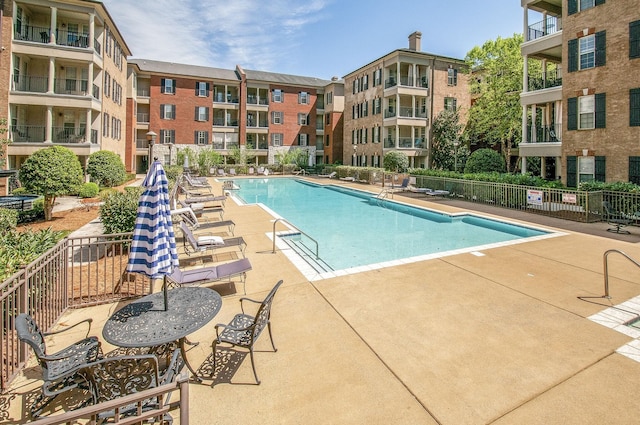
<point>328,176</point>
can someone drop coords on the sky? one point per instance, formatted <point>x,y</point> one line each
<point>313,38</point>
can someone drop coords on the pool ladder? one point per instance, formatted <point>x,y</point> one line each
<point>605,259</point>
<point>298,230</point>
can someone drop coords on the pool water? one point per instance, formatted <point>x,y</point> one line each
<point>353,228</point>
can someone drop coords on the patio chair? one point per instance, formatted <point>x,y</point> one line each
<point>251,171</point>
<point>328,176</point>
<point>196,184</point>
<point>59,370</point>
<point>232,172</point>
<point>261,170</point>
<point>195,243</point>
<point>244,329</point>
<point>402,187</point>
<point>189,217</point>
<point>199,198</point>
<point>616,219</point>
<point>221,172</point>
<point>116,377</point>
<point>200,209</point>
<point>208,274</point>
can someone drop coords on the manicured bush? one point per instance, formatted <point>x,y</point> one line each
<point>8,219</point>
<point>485,161</point>
<point>118,212</point>
<point>396,161</point>
<point>106,169</point>
<point>89,190</point>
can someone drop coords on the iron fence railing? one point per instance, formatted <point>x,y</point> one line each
<point>77,272</point>
<point>544,80</point>
<point>550,25</point>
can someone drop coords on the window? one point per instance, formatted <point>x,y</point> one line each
<point>303,98</point>
<point>634,169</point>
<point>634,40</point>
<point>377,77</point>
<point>376,134</point>
<point>377,106</point>
<point>201,137</point>
<point>365,82</point>
<point>167,136</point>
<point>586,113</point>
<point>167,86</point>
<point>276,117</point>
<point>168,112</point>
<point>303,119</point>
<point>105,125</point>
<point>276,95</point>
<point>202,89</point>
<point>450,103</point>
<point>587,51</point>
<point>276,139</point>
<point>452,77</point>
<point>327,140</point>
<point>327,118</point>
<point>329,98</point>
<point>586,168</point>
<point>303,139</point>
<point>583,4</point>
<point>202,113</point>
<point>634,107</point>
<point>107,84</point>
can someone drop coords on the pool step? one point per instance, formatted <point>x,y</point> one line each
<point>295,242</point>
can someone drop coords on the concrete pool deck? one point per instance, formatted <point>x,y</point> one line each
<point>498,338</point>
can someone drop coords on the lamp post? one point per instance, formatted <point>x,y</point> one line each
<point>151,137</point>
<point>170,153</point>
<point>355,154</point>
<point>456,143</point>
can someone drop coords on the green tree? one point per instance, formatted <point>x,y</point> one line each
<point>485,161</point>
<point>208,158</point>
<point>106,169</point>
<point>396,161</point>
<point>51,172</point>
<point>119,209</point>
<point>3,142</point>
<point>496,115</point>
<point>241,156</point>
<point>296,156</point>
<point>448,152</point>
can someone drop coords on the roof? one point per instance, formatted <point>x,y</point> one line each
<point>148,65</point>
<point>294,80</point>
<point>414,52</point>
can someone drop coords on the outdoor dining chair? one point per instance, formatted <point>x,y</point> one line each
<point>59,370</point>
<point>245,329</point>
<point>114,377</point>
<point>616,219</point>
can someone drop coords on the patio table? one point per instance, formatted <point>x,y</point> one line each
<point>145,323</point>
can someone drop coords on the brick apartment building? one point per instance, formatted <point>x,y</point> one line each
<point>581,114</point>
<point>390,104</point>
<point>201,107</point>
<point>62,73</point>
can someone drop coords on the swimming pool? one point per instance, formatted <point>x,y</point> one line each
<point>354,228</point>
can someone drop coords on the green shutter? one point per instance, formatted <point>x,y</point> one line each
<point>601,166</point>
<point>601,48</point>
<point>573,55</point>
<point>634,169</point>
<point>572,113</point>
<point>634,107</point>
<point>572,171</point>
<point>634,40</point>
<point>572,7</point>
<point>161,85</point>
<point>601,110</point>
<point>599,2</point>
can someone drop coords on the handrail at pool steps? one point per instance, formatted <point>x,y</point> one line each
<point>275,222</point>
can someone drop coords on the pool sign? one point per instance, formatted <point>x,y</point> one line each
<point>569,198</point>
<point>534,197</point>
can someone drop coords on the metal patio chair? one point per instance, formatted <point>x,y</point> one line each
<point>244,329</point>
<point>60,369</point>
<point>615,219</point>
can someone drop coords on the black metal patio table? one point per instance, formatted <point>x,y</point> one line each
<point>145,323</point>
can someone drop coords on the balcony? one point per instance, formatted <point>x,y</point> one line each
<point>143,92</point>
<point>68,135</point>
<point>391,82</point>
<point>406,81</point>
<point>551,25</point>
<point>255,100</point>
<point>96,92</point>
<point>68,86</point>
<point>543,80</point>
<point>40,84</point>
<point>43,35</point>
<point>142,117</point>
<point>546,134</point>
<point>27,133</point>
<point>389,142</point>
<point>390,113</point>
<point>30,83</point>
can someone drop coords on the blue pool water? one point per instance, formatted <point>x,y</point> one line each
<point>355,229</point>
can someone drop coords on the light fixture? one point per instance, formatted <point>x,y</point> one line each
<point>151,137</point>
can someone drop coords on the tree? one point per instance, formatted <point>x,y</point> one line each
<point>396,161</point>
<point>241,156</point>
<point>119,210</point>
<point>496,115</point>
<point>106,169</point>
<point>485,161</point>
<point>208,158</point>
<point>51,172</point>
<point>297,156</point>
<point>447,150</point>
<point>3,142</point>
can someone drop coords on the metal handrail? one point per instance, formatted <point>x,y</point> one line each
<point>291,225</point>
<point>606,268</point>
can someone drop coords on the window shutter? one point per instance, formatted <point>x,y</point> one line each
<point>172,136</point>
<point>599,2</point>
<point>206,113</point>
<point>197,88</point>
<point>161,85</point>
<point>161,136</point>
<point>571,171</point>
<point>195,137</point>
<point>195,117</point>
<point>634,107</point>
<point>173,86</point>
<point>173,112</point>
<point>601,48</point>
<point>572,7</point>
<point>601,164</point>
<point>573,55</point>
<point>208,89</point>
<point>206,137</point>
<point>572,113</point>
<point>634,40</point>
<point>634,169</point>
<point>601,110</point>
<point>455,104</point>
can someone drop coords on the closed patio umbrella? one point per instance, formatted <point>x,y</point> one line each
<point>153,248</point>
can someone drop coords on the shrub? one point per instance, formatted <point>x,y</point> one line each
<point>19,191</point>
<point>106,169</point>
<point>396,161</point>
<point>8,219</point>
<point>89,190</point>
<point>19,248</point>
<point>118,212</point>
<point>34,214</point>
<point>485,161</point>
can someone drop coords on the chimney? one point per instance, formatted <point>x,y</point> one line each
<point>414,41</point>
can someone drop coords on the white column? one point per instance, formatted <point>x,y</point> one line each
<point>53,23</point>
<point>543,165</point>
<point>52,74</point>
<point>49,125</point>
<point>90,79</point>
<point>558,167</point>
<point>525,23</point>
<point>92,29</point>
<point>87,132</point>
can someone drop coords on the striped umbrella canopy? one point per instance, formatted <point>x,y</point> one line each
<point>153,248</point>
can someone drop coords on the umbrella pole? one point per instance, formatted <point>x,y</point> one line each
<point>164,290</point>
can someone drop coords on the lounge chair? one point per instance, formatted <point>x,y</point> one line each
<point>401,188</point>
<point>187,215</point>
<point>196,184</point>
<point>196,198</point>
<point>200,209</point>
<point>232,172</point>
<point>348,179</point>
<point>200,243</point>
<point>262,171</point>
<point>328,176</point>
<point>244,329</point>
<point>251,171</point>
<point>207,274</point>
<point>616,219</point>
<point>221,172</point>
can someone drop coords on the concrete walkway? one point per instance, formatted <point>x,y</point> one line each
<point>493,337</point>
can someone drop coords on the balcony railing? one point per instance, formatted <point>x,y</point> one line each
<point>30,83</point>
<point>543,80</point>
<point>97,46</point>
<point>220,122</point>
<point>96,92</point>
<point>43,35</point>
<point>405,142</point>
<point>142,92</point>
<point>389,113</point>
<point>406,81</point>
<point>94,137</point>
<point>255,100</point>
<point>389,142</point>
<point>27,133</point>
<point>546,134</point>
<point>142,117</point>
<point>68,135</point>
<point>406,111</point>
<point>319,105</point>
<point>142,144</point>
<point>69,86</point>
<point>391,82</point>
<point>548,26</point>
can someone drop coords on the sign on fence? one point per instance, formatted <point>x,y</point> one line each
<point>569,198</point>
<point>534,197</point>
